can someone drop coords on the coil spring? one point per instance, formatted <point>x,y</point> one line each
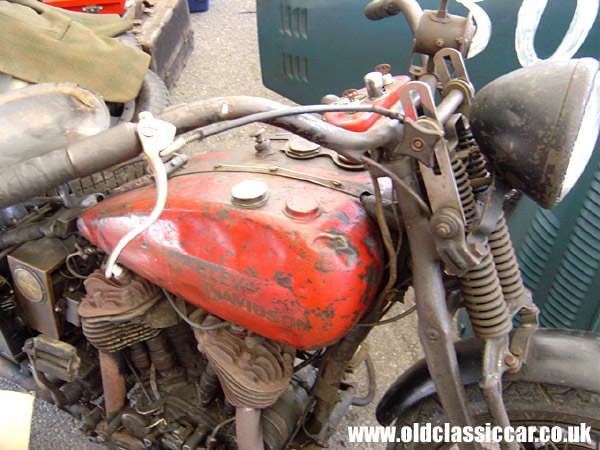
<point>465,190</point>
<point>506,262</point>
<point>476,162</point>
<point>484,300</point>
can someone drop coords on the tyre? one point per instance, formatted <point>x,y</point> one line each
<point>527,404</point>
<point>104,182</point>
<point>153,95</point>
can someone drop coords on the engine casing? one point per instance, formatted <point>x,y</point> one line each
<point>299,266</point>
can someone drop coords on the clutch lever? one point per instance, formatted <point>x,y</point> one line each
<point>155,135</point>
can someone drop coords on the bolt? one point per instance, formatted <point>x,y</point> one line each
<point>336,183</point>
<point>517,351</point>
<point>259,135</point>
<point>417,144</point>
<point>479,249</point>
<point>443,230</point>
<point>444,224</point>
<point>511,361</point>
<point>148,131</point>
<point>433,335</point>
<point>440,42</point>
<point>261,144</point>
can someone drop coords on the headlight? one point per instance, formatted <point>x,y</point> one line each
<point>538,126</point>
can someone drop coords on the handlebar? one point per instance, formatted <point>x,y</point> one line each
<point>119,144</point>
<point>380,9</point>
<point>36,176</point>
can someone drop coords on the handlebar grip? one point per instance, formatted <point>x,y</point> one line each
<point>380,9</point>
<point>36,176</point>
<point>103,150</point>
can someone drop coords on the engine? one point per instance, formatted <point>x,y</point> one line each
<point>270,246</point>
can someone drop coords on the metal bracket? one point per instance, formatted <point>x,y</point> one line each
<point>417,93</point>
<point>154,134</point>
<point>451,244</point>
<point>441,185</point>
<point>441,67</point>
<point>495,357</point>
<point>458,79</point>
<point>507,353</point>
<point>55,358</point>
<point>425,141</point>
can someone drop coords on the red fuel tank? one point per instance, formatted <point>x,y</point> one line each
<point>277,245</point>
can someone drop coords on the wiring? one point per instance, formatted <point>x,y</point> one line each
<point>402,315</point>
<point>398,183</point>
<point>188,321</point>
<point>221,127</point>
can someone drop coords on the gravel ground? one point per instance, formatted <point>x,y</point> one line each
<point>225,62</point>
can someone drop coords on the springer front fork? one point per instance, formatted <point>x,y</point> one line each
<point>453,218</point>
<point>465,233</point>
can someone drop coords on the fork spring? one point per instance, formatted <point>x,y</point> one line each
<point>483,298</point>
<point>506,262</point>
<point>465,190</point>
<point>476,162</point>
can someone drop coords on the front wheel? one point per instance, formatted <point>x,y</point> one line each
<point>527,404</point>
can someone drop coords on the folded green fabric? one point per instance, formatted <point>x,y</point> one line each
<point>40,43</point>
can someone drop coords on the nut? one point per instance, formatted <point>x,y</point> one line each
<point>445,223</point>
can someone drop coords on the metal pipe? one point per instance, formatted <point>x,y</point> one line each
<point>248,429</point>
<point>116,145</point>
<point>113,383</point>
<point>196,437</point>
<point>348,143</point>
<point>411,9</point>
<point>449,105</point>
<point>435,326</point>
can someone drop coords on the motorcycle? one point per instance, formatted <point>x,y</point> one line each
<point>220,302</point>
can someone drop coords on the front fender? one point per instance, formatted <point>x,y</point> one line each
<point>564,357</point>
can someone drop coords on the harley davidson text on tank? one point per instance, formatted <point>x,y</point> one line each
<point>220,302</point>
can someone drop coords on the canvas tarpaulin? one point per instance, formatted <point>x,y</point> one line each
<point>40,43</point>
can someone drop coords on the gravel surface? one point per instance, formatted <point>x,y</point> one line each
<point>225,62</point>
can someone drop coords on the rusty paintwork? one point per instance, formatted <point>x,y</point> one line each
<point>303,282</point>
<point>362,121</point>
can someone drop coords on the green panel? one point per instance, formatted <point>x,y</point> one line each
<point>310,48</point>
<point>559,254</point>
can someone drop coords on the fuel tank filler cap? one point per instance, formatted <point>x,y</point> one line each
<point>249,194</point>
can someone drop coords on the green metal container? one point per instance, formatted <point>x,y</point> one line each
<point>310,48</point>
